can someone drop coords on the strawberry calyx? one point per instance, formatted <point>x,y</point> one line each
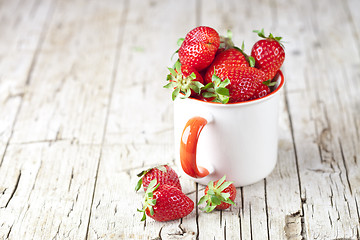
<point>182,84</point>
<point>215,195</point>
<point>142,173</point>
<point>217,90</point>
<point>249,59</point>
<point>149,201</point>
<point>261,34</point>
<point>226,41</point>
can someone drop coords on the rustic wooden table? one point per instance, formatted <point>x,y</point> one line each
<point>82,110</point>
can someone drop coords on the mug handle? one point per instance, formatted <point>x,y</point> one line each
<point>188,145</point>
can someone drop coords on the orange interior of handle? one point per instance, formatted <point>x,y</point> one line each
<point>188,145</point>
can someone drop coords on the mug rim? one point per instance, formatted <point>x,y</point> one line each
<point>247,102</point>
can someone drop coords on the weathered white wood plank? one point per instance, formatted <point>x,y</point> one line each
<point>321,125</point>
<point>57,138</point>
<point>21,34</point>
<point>52,197</point>
<point>139,132</point>
<point>70,84</point>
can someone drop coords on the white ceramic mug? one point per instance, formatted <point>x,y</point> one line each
<point>239,140</point>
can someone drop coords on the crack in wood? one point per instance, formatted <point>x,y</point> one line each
<point>71,178</point>
<point>71,209</point>
<point>240,226</point>
<point>345,166</point>
<point>250,221</point>
<point>14,190</point>
<point>159,235</point>
<point>8,234</point>
<point>220,218</point>
<point>57,231</point>
<point>267,210</point>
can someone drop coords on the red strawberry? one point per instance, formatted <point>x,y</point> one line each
<point>163,174</point>
<point>269,54</point>
<point>184,79</point>
<point>163,202</point>
<point>263,89</point>
<point>243,82</point>
<point>232,56</point>
<point>219,194</point>
<point>199,47</point>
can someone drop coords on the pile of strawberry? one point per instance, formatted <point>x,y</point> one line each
<point>165,201</point>
<point>211,68</point>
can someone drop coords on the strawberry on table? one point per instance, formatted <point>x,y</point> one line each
<point>164,174</point>
<point>199,47</point>
<point>184,79</point>
<point>269,54</point>
<point>219,195</point>
<point>163,202</point>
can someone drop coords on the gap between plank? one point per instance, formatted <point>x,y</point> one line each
<point>119,42</point>
<point>302,199</point>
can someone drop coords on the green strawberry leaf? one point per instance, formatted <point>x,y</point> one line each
<point>260,33</point>
<point>172,72</point>
<point>224,186</point>
<point>221,181</point>
<point>180,41</point>
<point>151,209</point>
<point>177,67</point>
<point>198,84</point>
<point>187,93</point>
<point>169,85</point>
<point>251,61</point>
<point>195,88</point>
<point>202,200</point>
<point>225,195</point>
<point>151,186</point>
<point>215,79</point>
<point>175,93</point>
<point>269,83</point>
<point>207,86</point>
<point>215,200</point>
<point>138,185</point>
<point>222,91</point>
<point>192,76</point>
<point>208,95</point>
